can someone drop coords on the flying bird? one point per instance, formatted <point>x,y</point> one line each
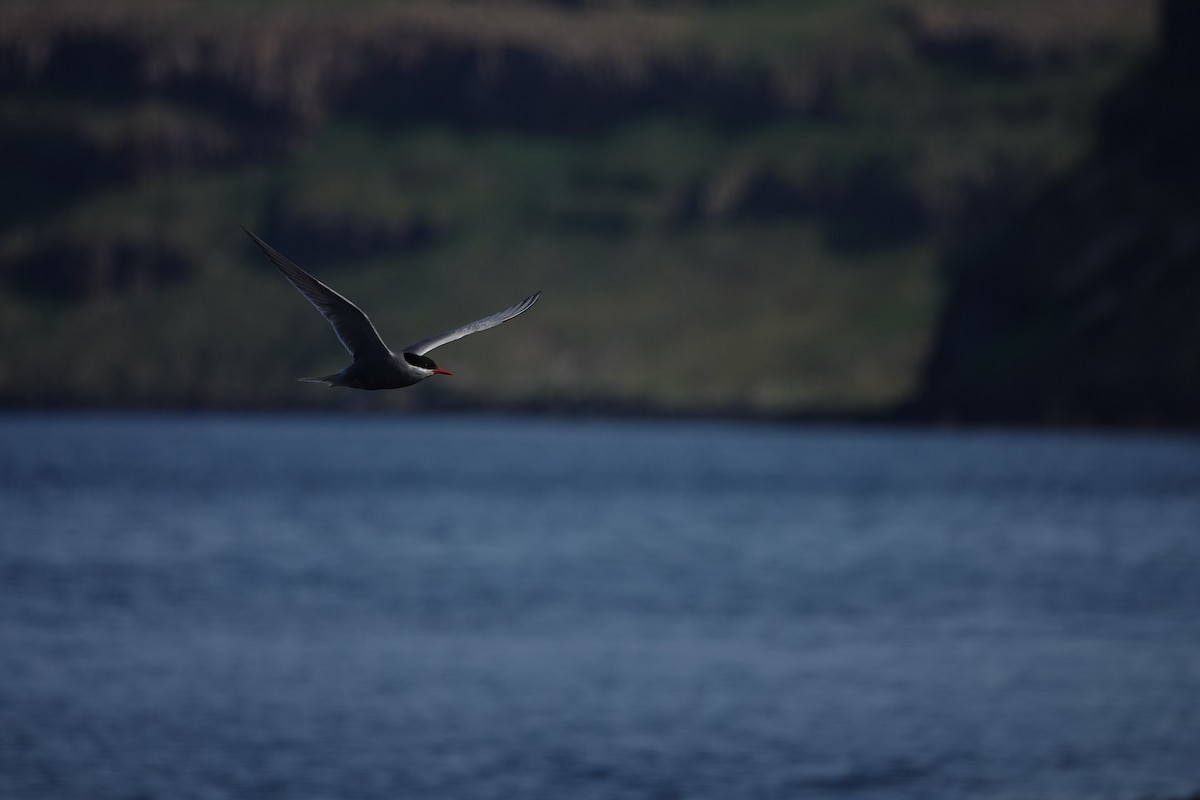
<point>374,365</point>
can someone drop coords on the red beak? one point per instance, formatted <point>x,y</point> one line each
<point>440,371</point>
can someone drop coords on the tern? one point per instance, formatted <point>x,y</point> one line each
<point>374,365</point>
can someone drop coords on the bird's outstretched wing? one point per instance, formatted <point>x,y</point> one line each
<point>425,345</point>
<point>351,325</point>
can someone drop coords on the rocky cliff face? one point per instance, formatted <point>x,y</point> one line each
<point>95,97</point>
<point>1087,308</point>
<point>96,100</point>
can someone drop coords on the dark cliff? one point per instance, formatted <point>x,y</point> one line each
<point>1086,309</point>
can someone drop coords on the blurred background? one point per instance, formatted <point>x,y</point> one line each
<point>928,209</point>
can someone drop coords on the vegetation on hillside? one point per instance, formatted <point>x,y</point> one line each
<point>728,206</point>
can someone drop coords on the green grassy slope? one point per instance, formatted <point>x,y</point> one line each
<point>728,207</point>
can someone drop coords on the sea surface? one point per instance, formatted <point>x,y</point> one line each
<point>461,608</point>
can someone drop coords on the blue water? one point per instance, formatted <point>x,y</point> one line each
<point>460,608</point>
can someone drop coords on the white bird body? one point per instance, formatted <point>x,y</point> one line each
<point>374,365</point>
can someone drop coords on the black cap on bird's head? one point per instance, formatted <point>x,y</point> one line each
<point>424,362</point>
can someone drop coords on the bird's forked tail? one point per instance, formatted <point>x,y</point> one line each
<point>328,380</point>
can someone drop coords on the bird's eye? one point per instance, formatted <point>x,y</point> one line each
<point>419,361</point>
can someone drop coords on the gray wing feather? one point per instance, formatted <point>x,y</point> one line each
<point>425,345</point>
<point>351,325</point>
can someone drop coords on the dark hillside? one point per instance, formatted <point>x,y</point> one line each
<point>1086,310</point>
<point>730,207</point>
